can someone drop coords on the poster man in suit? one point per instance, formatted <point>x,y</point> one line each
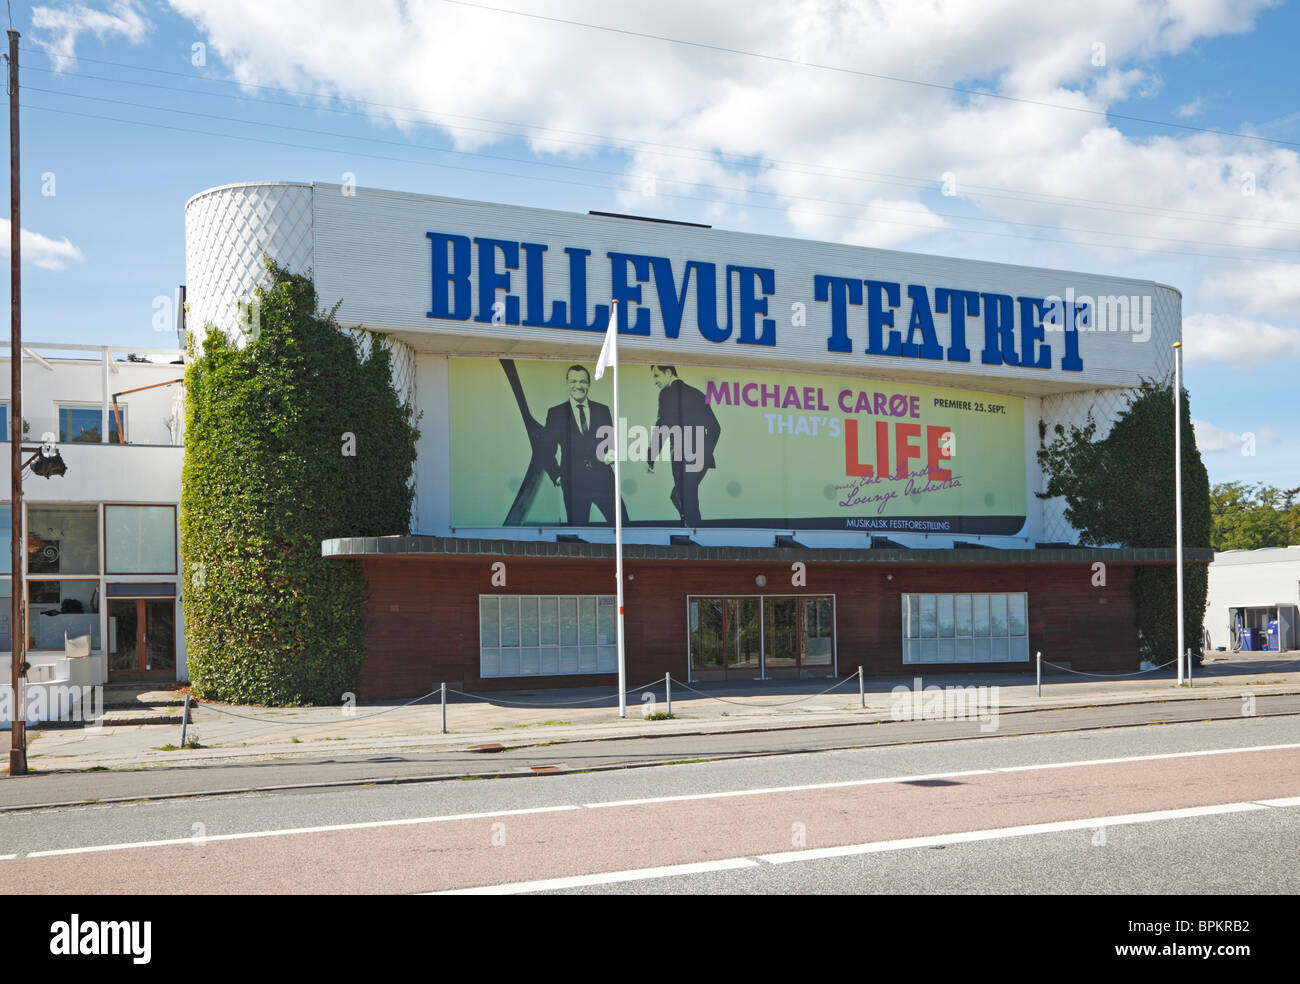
<point>686,417</point>
<point>575,428</point>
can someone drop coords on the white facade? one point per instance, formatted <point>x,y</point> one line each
<point>1258,580</point>
<point>102,540</point>
<point>376,252</point>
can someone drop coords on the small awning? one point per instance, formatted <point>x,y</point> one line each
<point>451,546</point>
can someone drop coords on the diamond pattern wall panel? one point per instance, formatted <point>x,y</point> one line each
<point>227,231</point>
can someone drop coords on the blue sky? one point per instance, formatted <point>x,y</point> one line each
<point>719,131</point>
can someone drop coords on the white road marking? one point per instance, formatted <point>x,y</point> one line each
<point>876,847</point>
<point>1001,833</point>
<point>371,825</point>
<point>1288,801</point>
<point>770,790</point>
<point>936,775</point>
<point>604,878</point>
<point>7,857</point>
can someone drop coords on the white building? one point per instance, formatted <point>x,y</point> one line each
<point>871,417</point>
<point>1248,590</point>
<point>102,556</point>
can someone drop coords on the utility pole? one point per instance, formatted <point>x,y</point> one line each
<point>18,651</point>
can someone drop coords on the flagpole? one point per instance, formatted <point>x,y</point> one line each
<point>1178,495</point>
<point>618,514</point>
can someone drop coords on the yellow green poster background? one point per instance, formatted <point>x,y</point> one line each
<point>784,454</point>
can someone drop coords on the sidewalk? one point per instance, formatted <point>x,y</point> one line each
<point>229,733</point>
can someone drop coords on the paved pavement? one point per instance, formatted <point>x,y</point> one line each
<point>1229,684</point>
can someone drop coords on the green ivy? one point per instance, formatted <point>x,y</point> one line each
<point>266,479</point>
<point>1120,490</point>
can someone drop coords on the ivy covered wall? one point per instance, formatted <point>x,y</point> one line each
<point>290,440</point>
<point>1120,490</point>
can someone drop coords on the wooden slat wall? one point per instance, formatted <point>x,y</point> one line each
<point>422,615</point>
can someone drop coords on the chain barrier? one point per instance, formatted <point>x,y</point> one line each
<point>348,719</point>
<point>551,703</point>
<point>783,703</point>
<point>1110,676</point>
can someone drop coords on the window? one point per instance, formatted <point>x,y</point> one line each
<point>6,527</point>
<point>82,424</point>
<point>140,539</point>
<point>965,628</point>
<point>4,421</point>
<point>61,609</point>
<point>546,635</point>
<point>62,540</point>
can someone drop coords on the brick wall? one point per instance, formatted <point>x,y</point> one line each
<point>422,616</point>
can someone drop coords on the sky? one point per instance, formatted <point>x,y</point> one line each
<point>1154,139</point>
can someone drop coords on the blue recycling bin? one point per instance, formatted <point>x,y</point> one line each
<point>1274,641</point>
<point>1248,643</point>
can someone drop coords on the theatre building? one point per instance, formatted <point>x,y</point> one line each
<point>828,452</point>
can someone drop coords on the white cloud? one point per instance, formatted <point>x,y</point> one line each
<point>1236,341</point>
<point>42,251</point>
<point>1187,110</point>
<point>820,145</point>
<point>64,23</point>
<point>1257,288</point>
<point>1211,439</point>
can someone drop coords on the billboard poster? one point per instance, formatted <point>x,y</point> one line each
<point>533,442</point>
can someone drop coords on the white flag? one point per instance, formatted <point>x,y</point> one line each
<point>609,351</point>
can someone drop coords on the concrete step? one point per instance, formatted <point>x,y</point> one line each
<point>117,696</point>
<point>122,717</point>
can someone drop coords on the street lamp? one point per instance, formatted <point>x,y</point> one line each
<point>46,461</point>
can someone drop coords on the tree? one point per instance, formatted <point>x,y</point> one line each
<point>1120,491</point>
<point>1248,517</point>
<point>268,476</point>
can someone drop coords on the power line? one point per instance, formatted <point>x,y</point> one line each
<point>587,184</point>
<point>618,174</point>
<point>961,90</point>
<point>699,153</point>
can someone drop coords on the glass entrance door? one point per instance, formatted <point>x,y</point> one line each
<point>799,637</point>
<point>754,638</point>
<point>142,635</point>
<point>726,639</point>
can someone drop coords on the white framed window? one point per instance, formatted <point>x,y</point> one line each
<point>140,539</point>
<point>966,628</point>
<point>547,635</point>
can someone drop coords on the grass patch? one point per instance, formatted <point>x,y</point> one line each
<point>98,768</point>
<point>538,724</point>
<point>169,747</point>
<point>660,716</point>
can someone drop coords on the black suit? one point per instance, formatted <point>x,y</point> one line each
<point>686,407</point>
<point>584,477</point>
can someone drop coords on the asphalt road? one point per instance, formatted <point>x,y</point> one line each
<point>1094,811</point>
<point>240,776</point>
